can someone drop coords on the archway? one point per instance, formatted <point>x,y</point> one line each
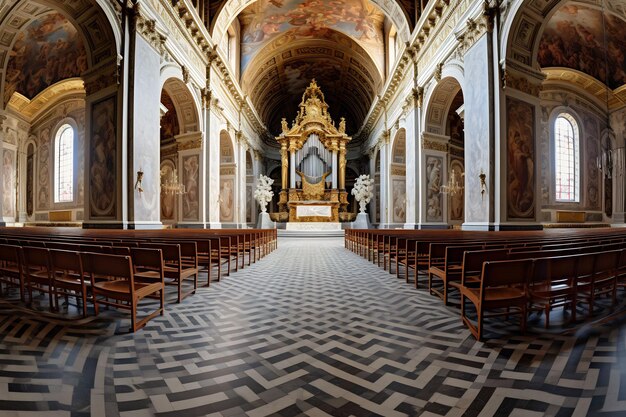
<point>180,138</point>
<point>398,178</point>
<point>227,179</point>
<point>445,155</point>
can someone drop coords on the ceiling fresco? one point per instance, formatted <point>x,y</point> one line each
<point>47,51</point>
<point>278,76</point>
<point>575,38</point>
<point>311,19</point>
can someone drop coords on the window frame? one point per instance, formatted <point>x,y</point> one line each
<point>55,161</point>
<point>570,117</point>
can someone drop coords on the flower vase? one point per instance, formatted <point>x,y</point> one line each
<point>263,206</point>
<point>362,205</point>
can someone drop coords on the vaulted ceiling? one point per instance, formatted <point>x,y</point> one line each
<point>287,43</point>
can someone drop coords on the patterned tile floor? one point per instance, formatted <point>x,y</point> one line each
<point>313,330</point>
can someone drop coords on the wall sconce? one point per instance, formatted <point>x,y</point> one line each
<point>138,183</point>
<point>483,183</point>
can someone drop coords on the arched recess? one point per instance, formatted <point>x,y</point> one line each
<point>180,141</point>
<point>445,153</point>
<point>29,191</point>
<point>228,179</point>
<point>83,35</point>
<point>250,202</point>
<point>397,176</point>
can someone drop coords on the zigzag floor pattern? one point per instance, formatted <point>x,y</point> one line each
<point>311,330</point>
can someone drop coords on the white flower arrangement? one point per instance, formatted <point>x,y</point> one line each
<point>363,191</point>
<point>263,193</point>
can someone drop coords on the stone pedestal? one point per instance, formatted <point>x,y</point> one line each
<point>264,221</point>
<point>362,221</point>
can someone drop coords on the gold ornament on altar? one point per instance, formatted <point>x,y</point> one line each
<point>313,122</point>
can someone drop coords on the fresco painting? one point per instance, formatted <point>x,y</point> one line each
<point>191,204</point>
<point>47,51</point>
<point>575,38</point>
<point>521,160</point>
<point>264,20</point>
<point>102,167</point>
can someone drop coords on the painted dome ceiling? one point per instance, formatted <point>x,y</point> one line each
<point>47,51</point>
<point>286,43</point>
<point>586,39</point>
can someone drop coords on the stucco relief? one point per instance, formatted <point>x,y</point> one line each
<point>8,183</point>
<point>521,159</point>
<point>191,197</point>
<point>43,193</point>
<point>399,200</point>
<point>457,201</point>
<point>226,200</point>
<point>434,200</point>
<point>168,200</point>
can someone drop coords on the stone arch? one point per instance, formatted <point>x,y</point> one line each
<point>187,109</point>
<point>438,103</point>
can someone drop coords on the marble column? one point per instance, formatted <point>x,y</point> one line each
<point>414,165</point>
<point>385,213</point>
<point>143,139</point>
<point>479,135</point>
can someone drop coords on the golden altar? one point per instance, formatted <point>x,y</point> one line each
<point>313,150</point>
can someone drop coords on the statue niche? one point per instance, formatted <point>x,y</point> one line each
<point>314,149</point>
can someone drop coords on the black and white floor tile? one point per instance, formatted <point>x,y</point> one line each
<point>312,330</point>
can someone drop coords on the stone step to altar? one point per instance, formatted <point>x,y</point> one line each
<point>313,226</point>
<point>310,233</point>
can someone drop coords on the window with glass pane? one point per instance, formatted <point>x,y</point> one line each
<point>64,165</point>
<point>566,158</point>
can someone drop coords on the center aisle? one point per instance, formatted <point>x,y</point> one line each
<point>311,328</point>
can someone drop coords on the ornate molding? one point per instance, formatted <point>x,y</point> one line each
<point>434,145</point>
<point>476,28</point>
<point>148,30</point>
<point>105,77</point>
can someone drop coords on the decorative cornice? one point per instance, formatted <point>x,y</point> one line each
<point>434,145</point>
<point>148,30</point>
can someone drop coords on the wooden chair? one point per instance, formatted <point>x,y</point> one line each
<point>148,265</point>
<point>121,290</point>
<point>448,272</point>
<point>37,273</point>
<point>602,281</point>
<point>68,277</point>
<point>11,268</point>
<point>175,270</point>
<point>552,284</point>
<point>503,285</point>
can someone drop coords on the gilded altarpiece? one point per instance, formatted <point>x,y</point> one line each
<point>313,156</point>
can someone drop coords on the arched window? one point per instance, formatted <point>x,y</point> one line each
<point>567,167</point>
<point>64,164</point>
